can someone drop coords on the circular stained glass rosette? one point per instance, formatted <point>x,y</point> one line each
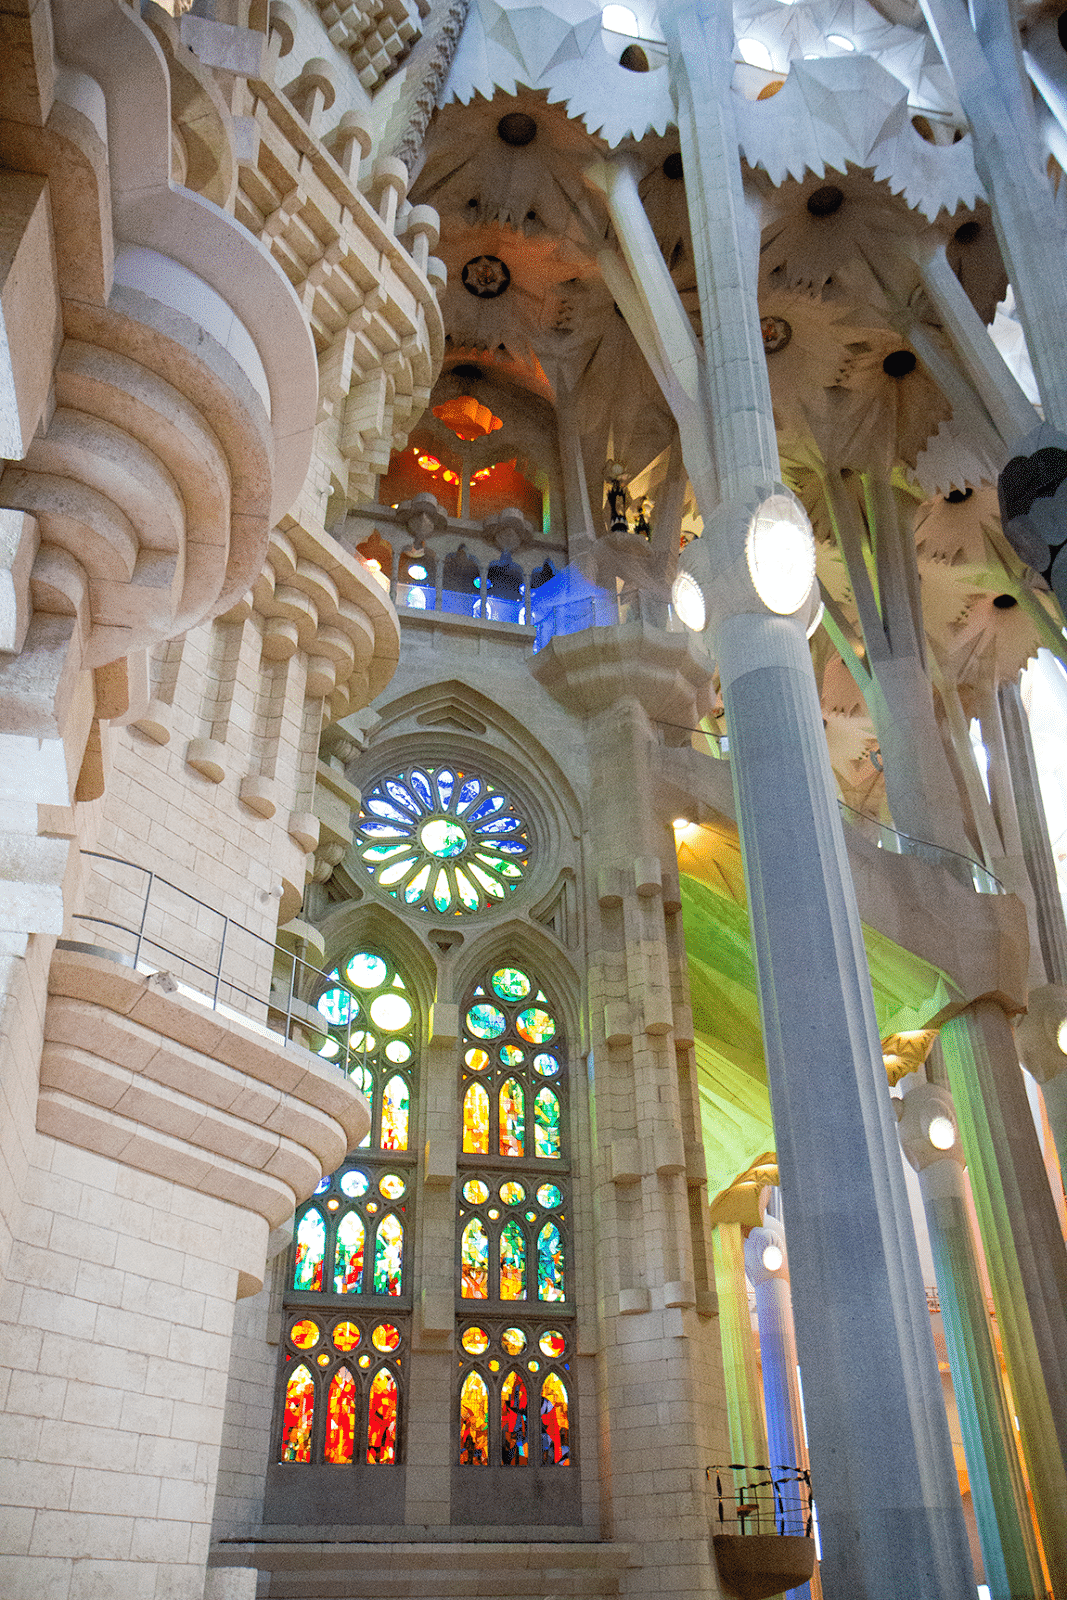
<point>548,1195</point>
<point>392,1185</point>
<point>485,1021</point>
<point>354,1184</point>
<point>475,1341</point>
<point>304,1334</point>
<point>512,1194</point>
<point>346,1336</point>
<point>477,1060</point>
<point>552,1344</point>
<point>441,840</point>
<point>510,984</point>
<point>546,1065</point>
<point>385,1337</point>
<point>475,1192</point>
<point>513,1341</point>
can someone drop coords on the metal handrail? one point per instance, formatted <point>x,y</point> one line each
<point>964,868</point>
<point>763,1501</point>
<point>303,977</point>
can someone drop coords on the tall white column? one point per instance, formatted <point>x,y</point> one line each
<point>885,1482</point>
<point>998,1494</point>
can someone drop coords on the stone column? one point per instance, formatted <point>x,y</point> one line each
<point>930,1139</point>
<point>1042,1052</point>
<point>778,1358</point>
<point>748,1433</point>
<point>889,1508</point>
<point>1024,1251</point>
<point>1033,829</point>
<point>889,1502</point>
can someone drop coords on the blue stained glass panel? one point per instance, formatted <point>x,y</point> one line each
<point>420,783</point>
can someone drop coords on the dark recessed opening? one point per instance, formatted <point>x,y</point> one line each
<point>531,216</point>
<point>956,497</point>
<point>672,165</point>
<point>1004,602</point>
<point>467,371</point>
<point>1061,28</point>
<point>472,203</point>
<point>517,128</point>
<point>825,201</point>
<point>898,363</point>
<point>967,232</point>
<point>634,59</point>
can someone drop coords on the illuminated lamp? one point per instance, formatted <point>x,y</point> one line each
<point>483,472</point>
<point>772,1258</point>
<point>467,417</point>
<point>941,1133</point>
<point>449,476</point>
<point>429,464</point>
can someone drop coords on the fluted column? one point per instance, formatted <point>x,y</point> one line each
<point>748,1435</point>
<point>930,1139</point>
<point>769,1275</point>
<point>1024,1251</point>
<point>1033,829</point>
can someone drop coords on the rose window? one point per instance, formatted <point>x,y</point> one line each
<point>439,839</point>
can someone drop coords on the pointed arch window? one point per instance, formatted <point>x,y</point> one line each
<point>348,1295</point>
<point>513,1381</point>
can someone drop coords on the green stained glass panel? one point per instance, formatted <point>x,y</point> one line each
<point>512,1262</point>
<point>511,1055</point>
<point>550,1264</point>
<point>418,883</point>
<point>486,1022</point>
<point>535,1025</point>
<point>548,1195</point>
<point>388,1255</point>
<point>509,983</point>
<point>442,894</point>
<point>348,1258</point>
<point>546,1124</point>
<point>337,1006</point>
<point>310,1252</point>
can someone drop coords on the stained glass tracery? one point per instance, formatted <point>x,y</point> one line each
<point>442,840</point>
<point>513,1406</point>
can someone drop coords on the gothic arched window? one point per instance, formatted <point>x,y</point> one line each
<point>347,1300</point>
<point>515,1291</point>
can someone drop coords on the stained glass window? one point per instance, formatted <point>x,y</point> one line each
<point>348,1271</point>
<point>382,1418</point>
<point>512,1262</point>
<point>550,1269</point>
<point>442,840</point>
<point>341,1418</point>
<point>310,1251</point>
<point>356,1396</point>
<point>298,1416</point>
<point>389,1255</point>
<point>512,1375</point>
<point>370,1030</point>
<point>347,1301</point>
<point>475,1261</point>
<point>514,1439</point>
<point>555,1427</point>
<point>476,1121</point>
<point>474,1422</point>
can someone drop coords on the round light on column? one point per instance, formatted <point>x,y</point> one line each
<point>772,1258</point>
<point>941,1133</point>
<point>688,601</point>
<point>781,555</point>
<point>1061,1036</point>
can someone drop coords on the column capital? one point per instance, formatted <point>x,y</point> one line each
<point>1041,1035</point>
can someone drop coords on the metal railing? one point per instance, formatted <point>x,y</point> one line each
<point>209,956</point>
<point>763,1499</point>
<point>967,871</point>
